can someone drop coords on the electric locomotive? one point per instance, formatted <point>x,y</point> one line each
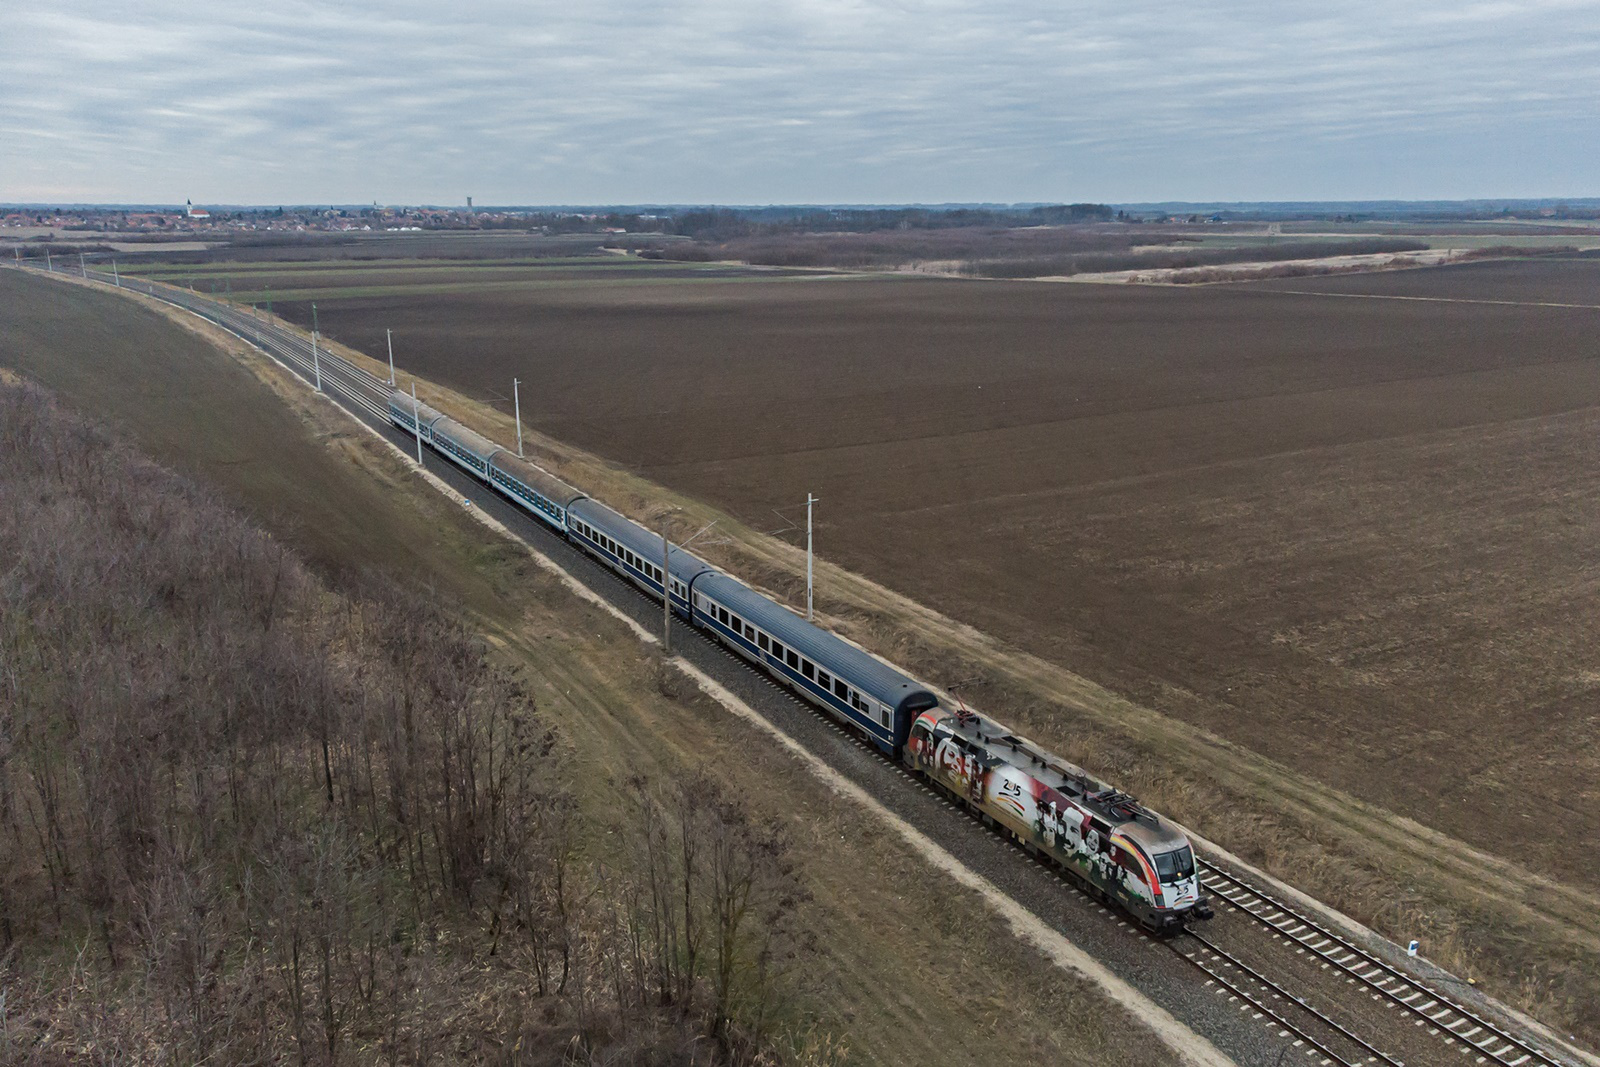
<point>1121,851</point>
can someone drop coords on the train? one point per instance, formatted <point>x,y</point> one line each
<point>1119,851</point>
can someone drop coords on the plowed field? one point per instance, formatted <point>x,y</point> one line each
<point>1354,534</point>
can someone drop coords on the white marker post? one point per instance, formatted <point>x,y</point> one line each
<point>315,365</point>
<point>810,500</point>
<point>416,419</point>
<point>83,272</point>
<point>114,275</point>
<point>389,337</point>
<point>516,400</point>
<point>49,266</point>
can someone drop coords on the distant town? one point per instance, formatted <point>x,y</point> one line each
<point>201,222</point>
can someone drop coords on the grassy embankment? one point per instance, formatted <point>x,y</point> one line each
<point>896,988</point>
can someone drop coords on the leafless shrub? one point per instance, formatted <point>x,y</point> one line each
<point>1089,263</point>
<point>1518,251</point>
<point>246,817</point>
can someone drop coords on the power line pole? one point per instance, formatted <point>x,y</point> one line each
<point>516,400</point>
<point>389,337</point>
<point>315,365</point>
<point>416,419</point>
<point>810,500</point>
<point>666,592</point>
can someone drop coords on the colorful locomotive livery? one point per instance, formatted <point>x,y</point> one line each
<point>1119,850</point>
<point>1122,851</point>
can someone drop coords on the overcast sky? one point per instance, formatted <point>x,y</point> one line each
<point>796,101</point>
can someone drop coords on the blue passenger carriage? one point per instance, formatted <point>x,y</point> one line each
<point>539,491</point>
<point>632,551</point>
<point>412,416</point>
<point>464,447</point>
<point>856,688</point>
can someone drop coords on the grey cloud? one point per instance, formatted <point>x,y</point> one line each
<point>819,100</point>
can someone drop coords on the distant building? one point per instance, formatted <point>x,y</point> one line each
<point>195,212</point>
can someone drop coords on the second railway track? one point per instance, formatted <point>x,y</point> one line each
<point>1440,1014</point>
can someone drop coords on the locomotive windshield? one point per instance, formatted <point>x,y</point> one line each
<point>1176,864</point>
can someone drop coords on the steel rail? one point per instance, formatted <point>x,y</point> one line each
<point>288,348</point>
<point>1302,1038</point>
<point>1450,1019</point>
<point>1372,1052</point>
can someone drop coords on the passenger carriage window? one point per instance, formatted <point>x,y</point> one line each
<point>763,643</point>
<point>824,680</point>
<point>841,690</point>
<point>808,670</point>
<point>749,632</point>
<point>791,657</point>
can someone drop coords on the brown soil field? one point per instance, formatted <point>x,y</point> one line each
<point>335,281</point>
<point>1348,534</point>
<point>895,991</point>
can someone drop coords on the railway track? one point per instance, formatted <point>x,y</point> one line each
<point>1337,1043</point>
<point>361,387</point>
<point>1309,1029</point>
<point>1451,1020</point>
